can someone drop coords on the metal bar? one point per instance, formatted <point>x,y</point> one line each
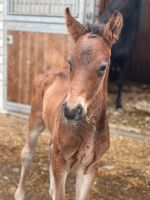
<point>16,107</point>
<point>37,27</point>
<point>133,134</point>
<point>38,7</point>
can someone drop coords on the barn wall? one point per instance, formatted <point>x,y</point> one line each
<point>30,54</point>
<point>97,10</point>
<point>33,45</point>
<point>1,54</point>
<point>139,69</point>
<point>100,5</point>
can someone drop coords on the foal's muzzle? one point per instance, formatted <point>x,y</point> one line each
<point>75,114</point>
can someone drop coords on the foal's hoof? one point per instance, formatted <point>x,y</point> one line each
<point>119,107</point>
<point>19,194</point>
<point>119,110</point>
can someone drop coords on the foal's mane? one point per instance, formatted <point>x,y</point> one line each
<point>95,29</point>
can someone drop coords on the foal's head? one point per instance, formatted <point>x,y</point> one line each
<point>89,63</point>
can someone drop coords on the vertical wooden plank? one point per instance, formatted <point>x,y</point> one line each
<point>22,67</point>
<point>12,63</point>
<point>30,55</point>
<point>139,69</point>
<point>21,56</point>
<point>33,52</point>
<point>103,5</point>
<point>145,16</point>
<point>27,69</point>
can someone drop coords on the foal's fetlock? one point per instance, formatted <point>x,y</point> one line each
<point>19,194</point>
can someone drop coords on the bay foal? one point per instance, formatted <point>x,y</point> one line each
<point>72,104</point>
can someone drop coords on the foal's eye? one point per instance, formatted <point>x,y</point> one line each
<point>70,65</point>
<point>101,69</point>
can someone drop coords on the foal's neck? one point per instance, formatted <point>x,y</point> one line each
<point>97,108</point>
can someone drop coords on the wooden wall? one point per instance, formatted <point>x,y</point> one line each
<point>145,16</point>
<point>139,67</point>
<point>103,5</point>
<point>30,54</point>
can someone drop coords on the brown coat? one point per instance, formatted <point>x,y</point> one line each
<point>72,104</point>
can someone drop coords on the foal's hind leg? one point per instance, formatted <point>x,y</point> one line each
<point>36,126</point>
<point>26,157</point>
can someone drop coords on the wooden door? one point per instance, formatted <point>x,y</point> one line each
<point>139,69</point>
<point>31,54</point>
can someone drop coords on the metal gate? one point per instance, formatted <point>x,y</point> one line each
<point>36,37</point>
<point>43,8</point>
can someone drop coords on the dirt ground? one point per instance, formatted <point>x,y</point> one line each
<point>123,173</point>
<point>135,114</point>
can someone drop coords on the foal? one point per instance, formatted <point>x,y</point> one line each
<point>72,104</point>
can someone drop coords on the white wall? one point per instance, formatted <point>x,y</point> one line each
<point>1,54</point>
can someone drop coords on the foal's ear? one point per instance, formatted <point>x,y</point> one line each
<point>112,28</point>
<point>74,27</point>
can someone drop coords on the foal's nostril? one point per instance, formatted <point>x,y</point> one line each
<point>79,110</point>
<point>74,114</point>
<point>66,111</point>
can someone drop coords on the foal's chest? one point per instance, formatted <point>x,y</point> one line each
<point>85,152</point>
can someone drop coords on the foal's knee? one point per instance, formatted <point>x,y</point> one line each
<point>26,155</point>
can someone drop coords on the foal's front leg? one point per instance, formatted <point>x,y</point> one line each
<point>58,175</point>
<point>83,183</point>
